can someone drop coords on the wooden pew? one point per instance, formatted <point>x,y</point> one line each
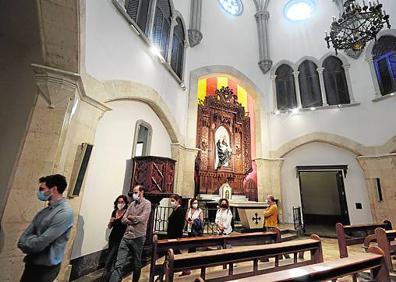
<point>202,260</point>
<point>385,241</point>
<point>355,234</point>
<point>162,246</point>
<point>374,260</point>
<point>372,238</point>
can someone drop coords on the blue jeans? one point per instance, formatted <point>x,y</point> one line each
<point>130,250</point>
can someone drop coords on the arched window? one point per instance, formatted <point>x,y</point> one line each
<point>178,48</point>
<point>142,140</point>
<point>335,81</point>
<point>384,58</point>
<point>285,88</point>
<point>162,25</point>
<point>308,78</point>
<point>138,10</point>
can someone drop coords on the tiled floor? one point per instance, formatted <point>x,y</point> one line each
<point>330,252</point>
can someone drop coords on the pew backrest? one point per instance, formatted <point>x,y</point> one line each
<point>162,246</point>
<point>355,234</point>
<point>385,242</point>
<point>374,260</point>
<point>175,263</point>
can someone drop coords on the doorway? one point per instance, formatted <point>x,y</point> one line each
<point>323,198</point>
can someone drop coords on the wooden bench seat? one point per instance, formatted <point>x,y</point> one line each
<point>160,247</point>
<point>355,234</point>
<point>374,260</point>
<point>202,260</point>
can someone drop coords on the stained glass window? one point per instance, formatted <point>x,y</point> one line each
<point>233,7</point>
<point>384,55</point>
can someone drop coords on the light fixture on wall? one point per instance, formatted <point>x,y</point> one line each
<point>358,24</point>
<point>157,53</point>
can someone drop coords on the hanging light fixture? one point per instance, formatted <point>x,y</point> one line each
<point>358,24</point>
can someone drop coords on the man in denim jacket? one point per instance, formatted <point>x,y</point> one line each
<point>45,239</point>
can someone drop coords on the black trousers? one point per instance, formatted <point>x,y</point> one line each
<point>40,273</point>
<point>110,260</point>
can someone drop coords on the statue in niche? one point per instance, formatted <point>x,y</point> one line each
<point>223,148</point>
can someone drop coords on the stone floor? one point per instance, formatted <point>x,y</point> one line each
<point>330,252</point>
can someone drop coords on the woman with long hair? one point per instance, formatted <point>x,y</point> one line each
<point>117,231</point>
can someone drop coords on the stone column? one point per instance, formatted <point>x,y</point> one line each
<point>322,87</point>
<point>269,179</point>
<point>262,16</point>
<point>349,83</point>
<point>274,95</point>
<point>52,137</point>
<point>170,45</point>
<point>377,93</point>
<point>185,164</point>
<point>194,31</point>
<point>298,93</point>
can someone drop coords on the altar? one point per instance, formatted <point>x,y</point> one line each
<point>251,214</point>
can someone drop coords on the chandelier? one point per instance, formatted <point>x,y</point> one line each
<point>358,24</point>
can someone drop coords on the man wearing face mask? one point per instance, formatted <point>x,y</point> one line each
<point>131,246</point>
<point>45,239</point>
<point>176,219</point>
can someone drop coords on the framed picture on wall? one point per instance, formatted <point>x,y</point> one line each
<point>80,167</point>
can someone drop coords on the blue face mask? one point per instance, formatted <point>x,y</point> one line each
<point>42,197</point>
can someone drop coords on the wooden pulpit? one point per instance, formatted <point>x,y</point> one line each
<point>157,175</point>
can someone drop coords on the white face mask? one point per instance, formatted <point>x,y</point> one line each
<point>173,204</point>
<point>120,206</point>
<point>135,196</point>
<point>195,206</point>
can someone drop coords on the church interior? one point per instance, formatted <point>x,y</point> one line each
<point>206,99</point>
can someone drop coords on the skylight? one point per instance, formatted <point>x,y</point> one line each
<point>299,10</point>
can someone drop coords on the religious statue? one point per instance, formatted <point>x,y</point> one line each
<point>224,152</point>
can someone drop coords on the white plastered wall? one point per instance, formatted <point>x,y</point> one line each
<point>108,172</point>
<point>370,123</point>
<point>113,51</point>
<point>324,154</point>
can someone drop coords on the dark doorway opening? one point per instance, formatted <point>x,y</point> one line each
<point>323,198</point>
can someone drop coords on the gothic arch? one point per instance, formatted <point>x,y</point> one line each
<point>307,58</point>
<point>127,90</point>
<point>283,62</point>
<point>343,59</point>
<point>246,83</point>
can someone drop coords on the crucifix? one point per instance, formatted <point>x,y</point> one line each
<point>256,218</point>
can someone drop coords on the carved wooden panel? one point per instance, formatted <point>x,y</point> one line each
<point>155,173</point>
<point>222,110</point>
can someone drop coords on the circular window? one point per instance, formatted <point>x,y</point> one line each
<point>299,10</point>
<point>233,7</point>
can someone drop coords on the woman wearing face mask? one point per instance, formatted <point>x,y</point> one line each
<point>224,218</point>
<point>194,220</point>
<point>117,231</point>
<point>176,219</point>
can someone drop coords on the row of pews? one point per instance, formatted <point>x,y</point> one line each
<point>377,240</point>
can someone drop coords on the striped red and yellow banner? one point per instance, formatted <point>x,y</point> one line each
<point>208,86</point>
